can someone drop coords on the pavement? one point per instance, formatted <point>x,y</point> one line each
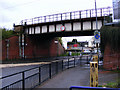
<point>28,64</point>
<point>78,76</point>
<point>21,64</point>
<point>74,76</point>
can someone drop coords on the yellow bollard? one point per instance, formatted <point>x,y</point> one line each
<point>93,74</point>
<point>95,58</point>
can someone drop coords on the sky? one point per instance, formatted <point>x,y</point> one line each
<point>13,11</point>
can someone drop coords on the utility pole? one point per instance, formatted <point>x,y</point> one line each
<point>96,29</point>
<point>96,16</point>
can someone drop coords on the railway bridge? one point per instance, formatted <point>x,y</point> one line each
<point>76,23</point>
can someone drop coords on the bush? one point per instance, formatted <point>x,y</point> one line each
<point>110,35</point>
<point>6,33</point>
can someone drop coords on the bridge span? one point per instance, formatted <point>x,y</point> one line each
<point>76,23</point>
<point>37,35</point>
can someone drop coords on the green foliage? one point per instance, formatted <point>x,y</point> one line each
<point>6,33</point>
<point>70,43</point>
<point>73,54</point>
<point>110,85</point>
<point>110,36</point>
<point>74,40</point>
<point>0,34</point>
<point>60,40</point>
<point>65,54</point>
<point>115,84</point>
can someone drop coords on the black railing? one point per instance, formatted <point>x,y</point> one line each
<point>69,16</point>
<point>35,76</point>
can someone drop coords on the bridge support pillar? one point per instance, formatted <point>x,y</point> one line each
<point>22,45</point>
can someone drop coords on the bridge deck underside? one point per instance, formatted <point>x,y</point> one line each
<point>65,34</point>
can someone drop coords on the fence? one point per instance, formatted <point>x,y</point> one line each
<point>35,76</point>
<point>101,12</point>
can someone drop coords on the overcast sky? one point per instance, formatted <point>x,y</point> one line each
<point>13,11</point>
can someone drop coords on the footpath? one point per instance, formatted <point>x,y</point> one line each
<point>78,76</point>
<point>22,64</point>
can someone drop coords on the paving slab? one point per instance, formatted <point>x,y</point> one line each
<point>77,76</point>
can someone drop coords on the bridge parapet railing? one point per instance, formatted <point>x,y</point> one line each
<point>69,16</point>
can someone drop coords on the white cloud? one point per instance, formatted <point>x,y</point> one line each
<point>16,10</point>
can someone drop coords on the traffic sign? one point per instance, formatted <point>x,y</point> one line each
<point>97,37</point>
<point>62,28</point>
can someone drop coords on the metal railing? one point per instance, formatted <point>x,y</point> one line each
<point>69,16</point>
<point>35,76</point>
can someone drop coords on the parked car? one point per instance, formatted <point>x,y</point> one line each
<point>95,51</point>
<point>86,51</point>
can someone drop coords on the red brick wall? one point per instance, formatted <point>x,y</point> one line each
<point>34,48</point>
<point>53,48</point>
<point>42,47</point>
<point>4,50</point>
<point>56,48</point>
<point>61,49</point>
<point>111,59</point>
<point>13,49</point>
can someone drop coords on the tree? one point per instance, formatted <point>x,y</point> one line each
<point>6,33</point>
<point>60,40</point>
<point>110,36</point>
<point>74,40</point>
